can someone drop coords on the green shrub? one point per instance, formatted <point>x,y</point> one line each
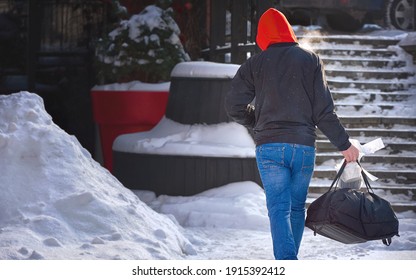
<point>145,48</point>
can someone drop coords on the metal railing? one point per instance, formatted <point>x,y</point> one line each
<point>232,27</point>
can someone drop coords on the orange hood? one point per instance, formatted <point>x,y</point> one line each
<point>274,28</point>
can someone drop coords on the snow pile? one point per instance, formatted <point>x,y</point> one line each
<point>57,203</point>
<point>239,205</point>
<point>172,138</point>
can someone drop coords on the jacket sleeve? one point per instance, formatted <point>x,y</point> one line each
<point>240,96</point>
<point>324,114</point>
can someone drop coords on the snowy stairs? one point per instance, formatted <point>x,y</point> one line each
<point>374,88</point>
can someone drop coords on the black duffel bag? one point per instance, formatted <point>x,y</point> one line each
<point>352,216</point>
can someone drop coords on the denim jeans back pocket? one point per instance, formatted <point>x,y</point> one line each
<point>270,156</point>
<point>308,162</point>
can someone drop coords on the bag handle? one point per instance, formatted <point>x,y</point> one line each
<point>365,178</point>
<point>338,176</point>
<point>336,179</point>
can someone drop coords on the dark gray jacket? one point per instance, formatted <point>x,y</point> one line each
<point>291,95</point>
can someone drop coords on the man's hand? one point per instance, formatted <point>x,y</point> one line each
<point>351,154</point>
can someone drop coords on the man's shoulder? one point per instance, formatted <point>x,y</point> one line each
<point>303,48</point>
<point>304,53</point>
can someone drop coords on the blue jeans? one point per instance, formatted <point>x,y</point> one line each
<point>286,171</point>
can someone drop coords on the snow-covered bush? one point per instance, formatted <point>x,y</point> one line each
<point>145,48</point>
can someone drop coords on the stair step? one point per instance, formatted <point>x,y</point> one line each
<point>381,158</point>
<point>367,73</point>
<point>368,41</point>
<point>378,132</point>
<point>384,85</point>
<point>358,52</point>
<point>384,105</point>
<point>318,187</point>
<point>403,207</point>
<point>370,96</point>
<point>386,121</point>
<point>393,147</point>
<point>382,108</point>
<point>375,62</point>
<point>403,175</point>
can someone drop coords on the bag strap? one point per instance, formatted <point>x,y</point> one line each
<point>387,241</point>
<point>336,179</point>
<point>365,178</point>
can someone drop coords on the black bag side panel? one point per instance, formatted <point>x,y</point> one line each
<point>318,210</point>
<point>345,211</point>
<point>378,217</point>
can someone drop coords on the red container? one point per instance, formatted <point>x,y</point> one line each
<point>122,112</point>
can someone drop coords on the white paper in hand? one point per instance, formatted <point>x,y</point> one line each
<point>351,176</point>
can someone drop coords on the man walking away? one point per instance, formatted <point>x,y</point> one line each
<point>292,99</point>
